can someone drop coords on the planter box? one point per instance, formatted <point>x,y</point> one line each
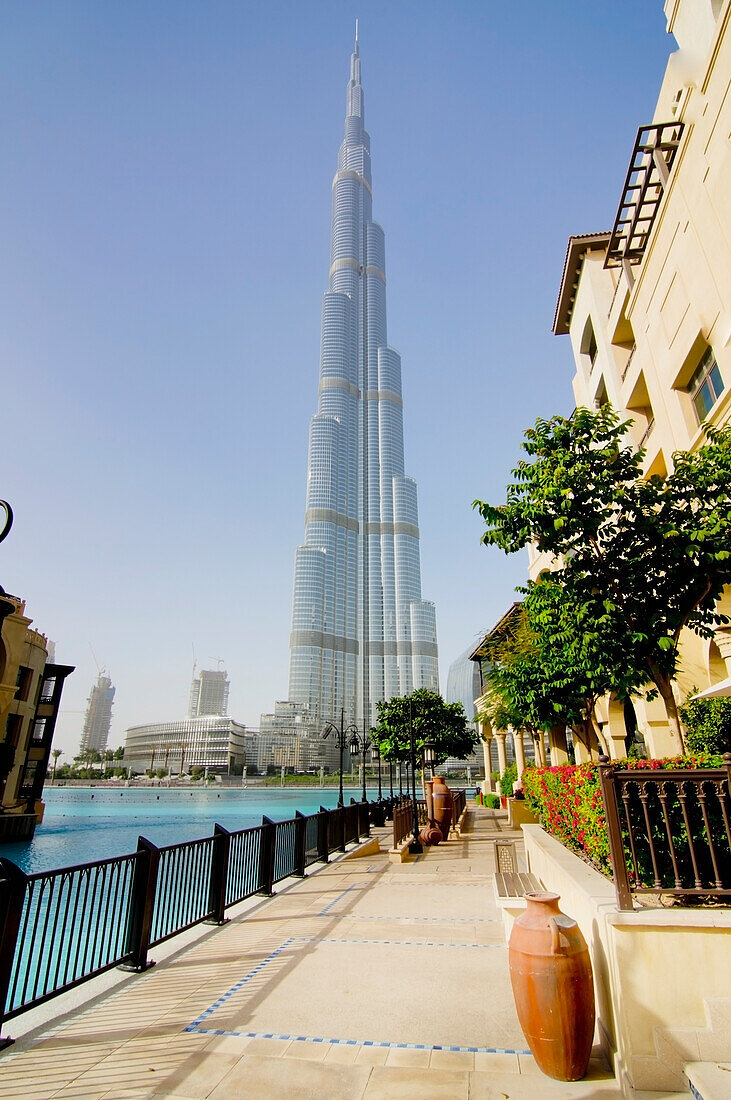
<point>519,813</point>
<point>655,970</point>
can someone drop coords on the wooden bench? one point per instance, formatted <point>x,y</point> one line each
<point>511,886</point>
<point>510,883</point>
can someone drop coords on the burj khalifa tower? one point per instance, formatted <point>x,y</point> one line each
<point>360,630</point>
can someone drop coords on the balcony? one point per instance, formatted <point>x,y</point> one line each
<point>647,177</point>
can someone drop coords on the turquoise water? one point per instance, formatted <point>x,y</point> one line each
<point>84,823</point>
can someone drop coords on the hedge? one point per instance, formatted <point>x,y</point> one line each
<point>567,800</point>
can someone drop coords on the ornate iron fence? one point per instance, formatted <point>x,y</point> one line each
<point>669,830</point>
<point>60,928</point>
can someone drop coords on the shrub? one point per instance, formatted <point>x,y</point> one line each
<point>507,780</point>
<point>568,802</point>
<point>707,724</point>
<point>492,801</point>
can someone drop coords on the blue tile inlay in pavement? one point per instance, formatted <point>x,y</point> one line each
<point>335,901</point>
<point>195,1026</point>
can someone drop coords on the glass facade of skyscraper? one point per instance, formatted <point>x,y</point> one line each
<point>360,629</point>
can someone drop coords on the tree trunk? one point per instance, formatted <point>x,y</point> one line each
<point>665,686</point>
<point>594,724</point>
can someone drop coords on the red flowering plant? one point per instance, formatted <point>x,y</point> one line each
<point>568,802</point>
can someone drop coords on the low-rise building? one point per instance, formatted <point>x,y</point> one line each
<point>209,741</point>
<point>30,697</point>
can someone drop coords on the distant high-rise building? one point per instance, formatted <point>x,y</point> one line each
<point>464,684</point>
<point>98,716</point>
<point>209,693</point>
<point>360,629</point>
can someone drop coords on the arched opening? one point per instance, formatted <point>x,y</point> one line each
<point>716,664</point>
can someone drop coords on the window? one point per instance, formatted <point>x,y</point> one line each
<point>706,385</point>
<point>39,730</point>
<point>588,341</point>
<point>25,676</point>
<point>48,689</point>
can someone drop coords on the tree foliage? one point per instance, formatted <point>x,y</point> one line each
<point>636,560</point>
<point>444,725</point>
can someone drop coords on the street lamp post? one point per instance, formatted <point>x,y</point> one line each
<point>366,744</point>
<point>380,788</point>
<point>345,735</point>
<point>415,845</point>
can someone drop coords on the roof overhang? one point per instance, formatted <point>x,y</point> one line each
<point>577,249</point>
<point>499,629</point>
<point>722,688</point>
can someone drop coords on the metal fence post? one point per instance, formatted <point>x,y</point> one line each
<point>343,828</point>
<point>614,830</point>
<point>219,875</point>
<point>300,844</point>
<point>364,820</point>
<point>323,851</point>
<point>12,896</point>
<point>142,904</point>
<point>266,857</point>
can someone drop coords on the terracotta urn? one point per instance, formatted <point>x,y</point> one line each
<point>550,972</point>
<point>430,834</point>
<point>443,805</point>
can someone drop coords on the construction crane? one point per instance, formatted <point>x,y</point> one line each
<point>99,668</point>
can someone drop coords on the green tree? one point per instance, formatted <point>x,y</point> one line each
<point>444,725</point>
<point>544,668</point>
<point>55,753</point>
<point>641,559</point>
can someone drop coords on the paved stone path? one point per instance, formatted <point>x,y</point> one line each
<point>368,979</point>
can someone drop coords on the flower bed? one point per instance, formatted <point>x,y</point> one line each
<point>567,800</point>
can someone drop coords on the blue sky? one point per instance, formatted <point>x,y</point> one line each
<point>166,199</point>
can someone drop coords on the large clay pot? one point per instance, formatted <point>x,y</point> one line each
<point>443,805</point>
<point>430,835</point>
<point>550,972</point>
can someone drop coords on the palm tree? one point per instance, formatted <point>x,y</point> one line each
<point>55,753</point>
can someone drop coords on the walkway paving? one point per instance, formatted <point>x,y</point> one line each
<point>368,979</point>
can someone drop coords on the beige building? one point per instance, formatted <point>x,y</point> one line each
<point>647,306</point>
<point>30,696</point>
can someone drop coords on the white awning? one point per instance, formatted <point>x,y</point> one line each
<point>723,687</point>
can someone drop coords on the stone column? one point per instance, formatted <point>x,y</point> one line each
<point>486,734</point>
<point>557,746</point>
<point>581,753</point>
<point>502,756</point>
<point>519,751</point>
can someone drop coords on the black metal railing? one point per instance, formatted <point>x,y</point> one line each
<point>669,830</point>
<point>403,821</point>
<point>60,928</point>
<point>460,804</point>
<point>65,926</point>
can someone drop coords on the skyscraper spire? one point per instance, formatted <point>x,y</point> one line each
<point>355,92</point>
<point>360,629</point>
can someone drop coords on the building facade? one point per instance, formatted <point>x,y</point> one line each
<point>211,741</point>
<point>289,738</point>
<point>98,717</point>
<point>360,629</point>
<point>647,305</point>
<point>30,697</point>
<point>209,693</point>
